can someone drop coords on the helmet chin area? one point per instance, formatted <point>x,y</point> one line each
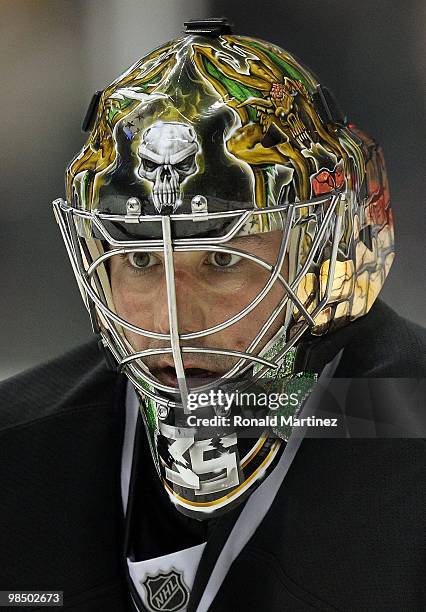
<point>205,470</point>
<point>208,466</point>
<point>205,476</point>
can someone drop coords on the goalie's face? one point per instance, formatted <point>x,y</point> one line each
<point>210,288</point>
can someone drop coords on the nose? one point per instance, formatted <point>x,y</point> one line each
<point>165,172</point>
<point>191,309</point>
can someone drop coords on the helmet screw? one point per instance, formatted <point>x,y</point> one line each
<point>221,411</point>
<point>199,206</point>
<point>162,412</point>
<point>199,203</point>
<point>133,206</point>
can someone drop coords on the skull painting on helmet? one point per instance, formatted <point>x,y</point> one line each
<point>168,156</point>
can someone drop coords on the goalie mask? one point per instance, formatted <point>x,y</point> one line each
<point>223,153</point>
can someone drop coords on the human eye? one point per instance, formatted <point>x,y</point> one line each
<point>222,260</point>
<point>140,262</point>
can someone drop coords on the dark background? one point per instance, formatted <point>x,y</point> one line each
<point>54,54</point>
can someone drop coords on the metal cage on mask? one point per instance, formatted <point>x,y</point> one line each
<point>88,257</point>
<point>90,243</point>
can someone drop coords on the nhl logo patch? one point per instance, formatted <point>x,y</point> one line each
<point>166,592</point>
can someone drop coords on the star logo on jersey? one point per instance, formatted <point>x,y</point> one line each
<point>166,592</point>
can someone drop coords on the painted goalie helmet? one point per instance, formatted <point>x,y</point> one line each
<point>205,142</point>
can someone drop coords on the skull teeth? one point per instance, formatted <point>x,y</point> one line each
<point>165,198</point>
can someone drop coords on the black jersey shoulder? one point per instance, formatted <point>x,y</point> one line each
<point>75,379</point>
<point>381,344</point>
<point>384,344</point>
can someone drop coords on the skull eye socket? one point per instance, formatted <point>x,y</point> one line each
<point>149,165</point>
<point>186,164</point>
